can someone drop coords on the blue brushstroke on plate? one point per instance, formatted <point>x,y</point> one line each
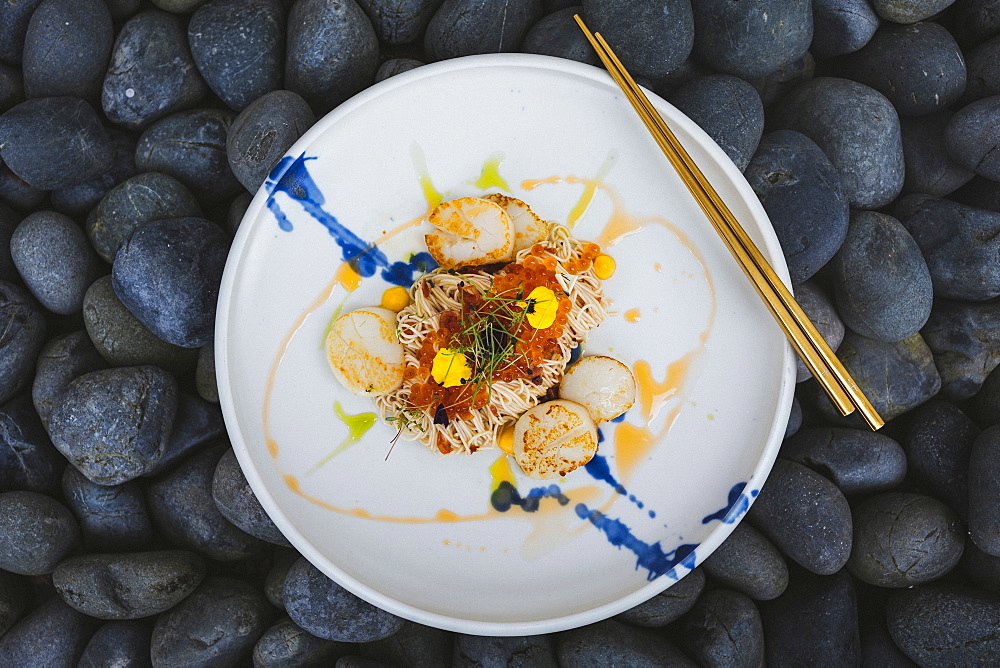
<point>506,496</point>
<point>599,469</point>
<point>736,506</point>
<point>648,556</point>
<point>291,176</point>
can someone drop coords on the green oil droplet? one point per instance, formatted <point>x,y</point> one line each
<point>357,426</point>
<point>490,177</point>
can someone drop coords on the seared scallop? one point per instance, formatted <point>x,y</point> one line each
<point>470,232</point>
<point>529,229</point>
<point>364,352</point>
<point>554,438</point>
<point>603,384</point>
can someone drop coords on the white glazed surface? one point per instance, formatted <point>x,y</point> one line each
<point>512,573</point>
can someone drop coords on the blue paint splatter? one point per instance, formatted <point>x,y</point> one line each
<point>737,504</point>
<point>506,495</point>
<point>291,177</point>
<point>599,469</point>
<point>648,556</point>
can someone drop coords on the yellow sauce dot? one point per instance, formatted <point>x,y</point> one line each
<point>396,299</point>
<point>505,441</point>
<point>450,368</point>
<point>604,266</point>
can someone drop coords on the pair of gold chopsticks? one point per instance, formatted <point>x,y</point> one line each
<point>803,335</point>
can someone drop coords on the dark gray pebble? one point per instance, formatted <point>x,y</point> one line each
<point>775,85</point>
<point>151,73</point>
<point>909,12</point>
<point>238,504</point>
<point>919,67</point>
<point>118,644</point>
<point>36,533</point>
<point>938,443</point>
<point>274,581</point>
<point>191,147</point>
<point>945,625</point>
<point>880,279</point>
<point>217,625</point>
<point>965,339</point>
<point>28,460</point>
<point>728,109</point>
<point>55,260</point>
<point>121,339</point>
<point>459,28</point>
<point>972,137</point>
<point>858,130</point>
<point>929,168</point>
<point>895,377</point>
<point>724,629</point>
<point>749,563</point>
<point>168,274</point>
<point>15,598</point>
<point>53,634</point>
<point>652,37</point>
<point>610,643</point>
<point>54,142</point>
<point>805,516</point>
<point>182,508</point>
<point>857,461</point>
<point>984,491</point>
<point>14,18</point>
<point>399,21</point>
<point>263,132</point>
<point>960,244</point>
<point>112,518</point>
<point>815,622</point>
<point>239,48</point>
<point>66,49</point>
<point>237,211</point>
<point>286,645</point>
<point>558,35</point>
<point>669,605</point>
<point>332,52</point>
<point>327,610</point>
<point>473,651</point>
<point>413,645</point>
<point>904,539</point>
<point>982,71</point>
<point>128,585</point>
<point>197,422</point>
<point>134,202</point>
<point>820,310</point>
<point>841,26</point>
<point>751,40</point>
<point>23,339</point>
<point>394,66</point>
<point>113,424</point>
<point>78,200</point>
<point>179,6</point>
<point>804,198</point>
<point>63,359</point>
<point>16,192</point>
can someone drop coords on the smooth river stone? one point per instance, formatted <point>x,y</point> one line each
<point>749,563</point>
<point>611,643</point>
<point>972,137</point>
<point>841,26</point>
<point>238,504</point>
<point>938,443</point>
<point>904,539</point>
<point>652,37</point>
<point>66,48</point>
<point>965,340</point>
<point>459,28</point>
<point>53,634</point>
<point>670,604</point>
<point>36,533</point>
<point>945,625</point>
<point>535,650</point>
<point>28,460</point>
<point>858,130</point>
<point>112,517</point>
<point>287,644</point>
<point>984,491</point>
<point>724,629</point>
<point>62,360</point>
<point>929,168</point>
<point>857,461</point>
<point>805,516</point>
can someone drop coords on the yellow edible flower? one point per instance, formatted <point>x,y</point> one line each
<point>450,368</point>
<point>543,307</point>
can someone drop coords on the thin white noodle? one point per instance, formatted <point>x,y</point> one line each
<point>508,398</point>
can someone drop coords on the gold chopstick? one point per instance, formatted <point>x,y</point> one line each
<point>803,335</point>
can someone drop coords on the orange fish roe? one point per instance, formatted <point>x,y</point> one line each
<point>515,347</point>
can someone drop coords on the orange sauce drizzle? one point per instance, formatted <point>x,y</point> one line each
<point>632,315</point>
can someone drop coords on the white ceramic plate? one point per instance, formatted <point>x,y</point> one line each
<point>417,534</point>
